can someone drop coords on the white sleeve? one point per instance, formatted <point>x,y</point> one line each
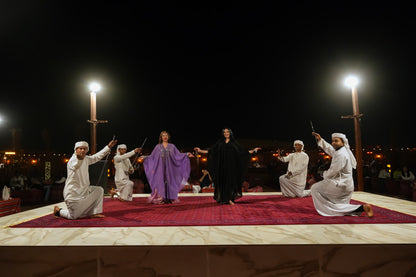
<point>119,158</point>
<point>98,156</point>
<point>328,148</point>
<point>285,159</point>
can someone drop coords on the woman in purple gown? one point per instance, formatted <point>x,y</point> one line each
<point>167,170</point>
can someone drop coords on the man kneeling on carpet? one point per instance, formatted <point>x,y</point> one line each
<point>332,195</point>
<point>122,164</point>
<point>293,182</point>
<point>81,199</point>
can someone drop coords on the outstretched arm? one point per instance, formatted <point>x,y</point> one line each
<point>327,147</point>
<point>254,150</point>
<point>101,154</point>
<point>199,150</point>
<point>112,143</point>
<point>317,136</point>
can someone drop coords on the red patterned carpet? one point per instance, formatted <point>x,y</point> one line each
<point>204,211</point>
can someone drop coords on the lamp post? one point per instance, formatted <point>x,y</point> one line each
<point>352,83</point>
<point>94,88</point>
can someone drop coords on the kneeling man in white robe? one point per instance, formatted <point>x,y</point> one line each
<point>81,199</point>
<point>332,195</point>
<point>293,182</point>
<point>123,166</point>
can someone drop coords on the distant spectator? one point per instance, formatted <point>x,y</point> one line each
<point>314,175</point>
<point>406,174</point>
<point>18,181</point>
<point>46,187</point>
<point>313,178</point>
<point>36,183</point>
<point>206,179</point>
<point>60,181</point>
<point>397,173</point>
<point>371,168</point>
<point>384,173</point>
<point>324,165</point>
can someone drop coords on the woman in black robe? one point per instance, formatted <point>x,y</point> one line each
<point>227,163</point>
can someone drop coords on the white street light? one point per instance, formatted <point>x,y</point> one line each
<point>94,87</point>
<point>352,82</point>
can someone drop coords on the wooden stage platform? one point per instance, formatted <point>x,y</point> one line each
<point>264,250</point>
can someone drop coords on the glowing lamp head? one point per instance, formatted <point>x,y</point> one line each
<point>94,87</point>
<point>351,81</point>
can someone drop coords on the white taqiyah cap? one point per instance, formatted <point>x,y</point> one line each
<point>81,144</point>
<point>298,142</point>
<point>121,146</point>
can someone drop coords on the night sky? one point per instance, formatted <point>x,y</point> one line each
<point>263,69</point>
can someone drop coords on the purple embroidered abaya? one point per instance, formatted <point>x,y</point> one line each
<point>167,171</point>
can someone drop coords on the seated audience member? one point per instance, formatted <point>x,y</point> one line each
<point>406,174</point>
<point>384,173</point>
<point>18,181</point>
<point>206,179</point>
<point>397,173</point>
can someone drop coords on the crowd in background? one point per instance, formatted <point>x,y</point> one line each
<point>264,170</point>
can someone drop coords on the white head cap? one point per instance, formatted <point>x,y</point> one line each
<point>81,144</point>
<point>298,142</point>
<point>345,140</point>
<point>121,146</point>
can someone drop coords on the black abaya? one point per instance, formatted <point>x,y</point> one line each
<point>227,164</point>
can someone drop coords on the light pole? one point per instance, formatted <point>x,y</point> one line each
<point>352,83</point>
<point>94,88</point>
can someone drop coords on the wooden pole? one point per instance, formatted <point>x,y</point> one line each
<point>93,123</point>
<point>358,146</point>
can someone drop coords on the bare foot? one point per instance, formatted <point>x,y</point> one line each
<point>112,192</point>
<point>97,216</point>
<point>56,210</point>
<point>368,209</point>
<point>231,202</point>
